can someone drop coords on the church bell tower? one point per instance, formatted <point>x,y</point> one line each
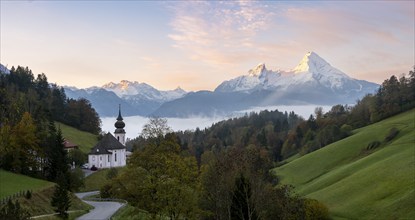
<point>119,128</point>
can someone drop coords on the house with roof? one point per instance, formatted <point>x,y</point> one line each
<point>69,145</point>
<point>110,151</point>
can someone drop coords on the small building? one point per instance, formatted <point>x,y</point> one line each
<point>110,151</point>
<point>69,145</point>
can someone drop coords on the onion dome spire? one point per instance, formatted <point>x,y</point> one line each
<point>119,118</point>
<point>119,124</point>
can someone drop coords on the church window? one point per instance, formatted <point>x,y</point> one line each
<point>108,158</point>
<point>115,156</point>
<point>118,138</point>
<point>100,158</point>
<point>93,158</point>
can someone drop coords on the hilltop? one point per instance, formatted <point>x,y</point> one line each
<point>358,183</point>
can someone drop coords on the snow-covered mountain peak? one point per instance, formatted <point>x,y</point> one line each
<point>312,63</point>
<point>312,70</point>
<point>180,90</point>
<point>3,69</point>
<point>260,68</point>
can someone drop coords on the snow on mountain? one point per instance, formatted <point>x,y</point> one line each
<point>4,69</point>
<point>252,81</point>
<point>311,71</point>
<point>139,91</point>
<point>137,98</point>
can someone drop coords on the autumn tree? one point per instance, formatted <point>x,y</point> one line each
<point>156,127</point>
<point>159,180</point>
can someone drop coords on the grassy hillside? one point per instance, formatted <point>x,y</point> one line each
<point>97,180</point>
<point>83,139</point>
<point>42,191</point>
<point>359,184</point>
<point>11,183</point>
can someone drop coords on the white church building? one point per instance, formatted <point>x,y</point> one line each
<point>110,151</point>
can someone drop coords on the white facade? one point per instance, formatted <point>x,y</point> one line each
<point>120,137</point>
<point>110,151</point>
<point>116,159</point>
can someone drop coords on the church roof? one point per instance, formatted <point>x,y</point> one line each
<point>108,142</point>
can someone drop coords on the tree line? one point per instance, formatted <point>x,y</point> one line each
<point>30,143</point>
<point>223,172</point>
<point>21,92</point>
<point>283,134</point>
<point>165,181</point>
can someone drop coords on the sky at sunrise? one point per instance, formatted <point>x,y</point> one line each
<point>197,45</point>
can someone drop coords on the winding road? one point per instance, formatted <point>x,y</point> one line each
<point>102,210</point>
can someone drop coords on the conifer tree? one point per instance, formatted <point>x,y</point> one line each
<point>60,198</point>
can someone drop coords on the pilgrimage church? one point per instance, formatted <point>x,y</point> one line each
<point>110,151</point>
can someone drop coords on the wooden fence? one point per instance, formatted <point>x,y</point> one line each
<point>16,195</point>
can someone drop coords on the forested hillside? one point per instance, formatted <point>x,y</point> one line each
<point>22,92</point>
<point>29,107</point>
<point>280,134</point>
<point>30,143</point>
<point>222,172</point>
<point>369,175</point>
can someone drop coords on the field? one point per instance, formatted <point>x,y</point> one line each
<point>84,140</point>
<point>42,191</point>
<point>96,180</point>
<point>359,184</point>
<point>11,183</point>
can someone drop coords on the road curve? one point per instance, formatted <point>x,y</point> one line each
<point>102,210</point>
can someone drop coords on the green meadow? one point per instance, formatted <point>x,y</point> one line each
<point>11,183</point>
<point>83,139</point>
<point>356,183</point>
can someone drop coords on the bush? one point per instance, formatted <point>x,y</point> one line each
<point>372,145</point>
<point>315,210</point>
<point>346,130</point>
<point>105,191</point>
<point>112,172</point>
<point>393,132</point>
<point>76,179</point>
<point>13,211</point>
<point>94,168</point>
<point>28,194</point>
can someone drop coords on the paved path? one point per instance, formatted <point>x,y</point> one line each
<point>102,210</point>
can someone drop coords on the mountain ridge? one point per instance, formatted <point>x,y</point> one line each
<point>312,81</point>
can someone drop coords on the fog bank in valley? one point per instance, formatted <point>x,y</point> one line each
<point>134,124</point>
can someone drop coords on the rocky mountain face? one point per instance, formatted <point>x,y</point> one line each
<point>135,98</point>
<point>312,81</point>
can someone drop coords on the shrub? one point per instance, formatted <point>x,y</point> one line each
<point>392,134</point>
<point>28,194</point>
<point>315,210</point>
<point>76,179</point>
<point>112,172</point>
<point>346,130</point>
<point>13,211</point>
<point>105,191</point>
<point>372,145</point>
<point>94,168</point>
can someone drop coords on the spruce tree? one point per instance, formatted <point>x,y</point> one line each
<point>242,207</point>
<point>60,198</point>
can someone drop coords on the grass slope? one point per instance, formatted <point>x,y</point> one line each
<point>84,140</point>
<point>11,183</point>
<point>42,191</point>
<point>97,180</point>
<point>39,204</point>
<point>357,185</point>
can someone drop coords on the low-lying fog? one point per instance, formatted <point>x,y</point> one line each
<point>134,124</point>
